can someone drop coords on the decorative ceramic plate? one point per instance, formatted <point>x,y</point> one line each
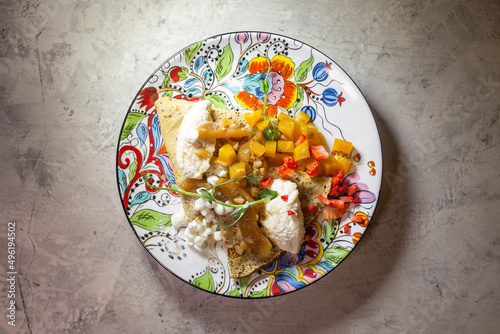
<point>224,69</point>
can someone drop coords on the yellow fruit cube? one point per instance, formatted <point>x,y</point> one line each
<point>302,117</point>
<point>257,148</point>
<point>283,117</point>
<point>253,117</point>
<point>261,125</point>
<point>285,146</point>
<point>288,129</point>
<point>330,165</point>
<point>270,149</point>
<point>344,163</point>
<point>301,151</point>
<point>277,160</point>
<point>342,146</point>
<point>226,155</point>
<point>238,170</point>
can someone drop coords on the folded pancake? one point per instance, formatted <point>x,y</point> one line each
<point>242,262</point>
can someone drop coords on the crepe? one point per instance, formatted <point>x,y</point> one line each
<point>171,113</point>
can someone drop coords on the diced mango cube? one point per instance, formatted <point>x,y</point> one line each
<point>301,151</point>
<point>253,117</point>
<point>257,148</point>
<point>288,129</point>
<point>285,146</point>
<point>304,163</point>
<point>330,165</point>
<point>277,160</point>
<point>238,170</point>
<point>342,146</point>
<point>345,163</point>
<point>302,117</point>
<point>261,125</point>
<point>227,155</point>
<point>270,148</point>
<point>284,117</point>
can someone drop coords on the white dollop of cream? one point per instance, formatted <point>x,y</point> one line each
<point>286,231</point>
<point>188,143</point>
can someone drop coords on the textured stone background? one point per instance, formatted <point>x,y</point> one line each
<point>429,262</point>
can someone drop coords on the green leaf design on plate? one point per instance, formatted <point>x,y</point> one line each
<point>259,294</point>
<point>132,170</point>
<point>130,123</point>
<point>166,84</point>
<point>217,100</point>
<point>183,73</point>
<point>235,292</point>
<point>191,51</point>
<point>300,98</point>
<point>151,220</point>
<point>330,229</point>
<point>336,254</point>
<point>303,69</point>
<point>224,63</point>
<point>205,281</point>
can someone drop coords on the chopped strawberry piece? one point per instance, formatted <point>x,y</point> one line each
<point>323,199</point>
<point>329,213</point>
<point>338,178</point>
<point>266,183</point>
<point>312,169</point>
<point>291,213</point>
<point>312,208</point>
<point>356,200</point>
<point>334,191</point>
<point>284,171</point>
<point>356,219</point>
<point>332,213</point>
<point>343,189</point>
<point>284,198</point>
<point>346,199</point>
<point>336,203</point>
<point>318,152</point>
<point>301,139</point>
<point>290,163</point>
<point>352,189</point>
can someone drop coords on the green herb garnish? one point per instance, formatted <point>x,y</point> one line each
<point>271,131</point>
<point>209,195</point>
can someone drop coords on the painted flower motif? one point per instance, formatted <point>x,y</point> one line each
<point>282,93</point>
<point>241,37</point>
<point>362,191</point>
<point>263,37</point>
<point>148,97</point>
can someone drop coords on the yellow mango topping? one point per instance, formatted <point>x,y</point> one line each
<point>270,149</point>
<point>227,155</point>
<point>257,148</point>
<point>344,163</point>
<point>342,146</point>
<point>237,170</point>
<point>253,117</point>
<point>285,146</point>
<point>262,124</point>
<point>330,165</point>
<point>302,117</point>
<point>301,151</point>
<point>277,160</point>
<point>288,129</point>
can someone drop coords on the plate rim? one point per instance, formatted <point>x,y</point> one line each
<point>153,74</point>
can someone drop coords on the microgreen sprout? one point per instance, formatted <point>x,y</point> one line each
<point>209,195</point>
<point>271,131</point>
